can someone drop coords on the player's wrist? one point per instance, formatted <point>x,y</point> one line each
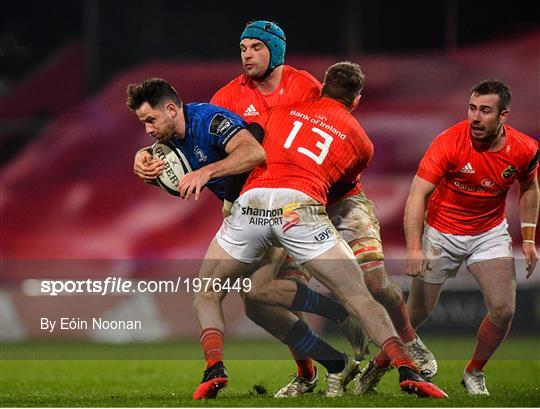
<point>415,248</point>
<point>528,232</point>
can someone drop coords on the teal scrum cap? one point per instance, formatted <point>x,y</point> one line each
<point>272,36</point>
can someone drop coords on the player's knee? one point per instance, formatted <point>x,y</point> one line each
<point>257,295</point>
<point>202,298</point>
<point>418,313</point>
<point>250,308</point>
<point>252,297</point>
<point>290,270</point>
<point>367,250</point>
<point>374,285</point>
<point>375,278</point>
<point>208,296</point>
<point>388,294</point>
<point>502,312</point>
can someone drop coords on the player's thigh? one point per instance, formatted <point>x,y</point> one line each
<point>423,296</point>
<point>306,231</point>
<point>246,234</point>
<point>445,253</point>
<point>492,265</point>
<point>338,271</point>
<point>497,280</point>
<point>291,270</point>
<point>219,264</point>
<point>354,218</point>
<point>263,273</point>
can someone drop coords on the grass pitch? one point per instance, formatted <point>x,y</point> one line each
<point>91,375</point>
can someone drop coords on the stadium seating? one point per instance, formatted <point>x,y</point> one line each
<point>72,192</point>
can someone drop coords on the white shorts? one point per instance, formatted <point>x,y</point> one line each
<point>354,218</point>
<point>263,217</point>
<point>446,252</point>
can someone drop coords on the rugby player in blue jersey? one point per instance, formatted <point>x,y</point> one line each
<point>214,140</point>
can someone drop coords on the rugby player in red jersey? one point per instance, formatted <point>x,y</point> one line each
<point>268,82</point>
<point>465,176</point>
<point>310,146</point>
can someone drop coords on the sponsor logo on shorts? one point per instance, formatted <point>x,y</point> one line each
<point>325,235</point>
<point>263,217</point>
<point>292,217</point>
<point>273,217</point>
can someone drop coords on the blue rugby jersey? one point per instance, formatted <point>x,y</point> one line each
<point>209,129</point>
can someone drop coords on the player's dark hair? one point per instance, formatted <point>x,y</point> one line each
<point>343,81</point>
<point>493,86</point>
<point>155,91</point>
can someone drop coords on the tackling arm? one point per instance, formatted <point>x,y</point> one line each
<point>414,225</point>
<point>244,153</point>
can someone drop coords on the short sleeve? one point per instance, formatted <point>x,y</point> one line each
<point>220,99</point>
<point>436,161</point>
<point>262,118</point>
<point>222,125</point>
<point>531,169</point>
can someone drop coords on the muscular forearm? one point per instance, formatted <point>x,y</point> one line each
<point>414,220</point>
<point>528,203</point>
<point>242,159</point>
<point>415,209</point>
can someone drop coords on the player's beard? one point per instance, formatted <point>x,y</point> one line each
<point>255,74</point>
<point>168,132</point>
<point>489,137</point>
<point>258,72</point>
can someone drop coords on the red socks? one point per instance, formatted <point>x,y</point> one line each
<point>393,352</point>
<point>306,369</point>
<point>402,324</point>
<point>212,344</point>
<point>488,339</point>
<point>382,360</point>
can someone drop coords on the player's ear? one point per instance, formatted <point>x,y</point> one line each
<point>356,101</point>
<point>171,109</point>
<point>503,115</point>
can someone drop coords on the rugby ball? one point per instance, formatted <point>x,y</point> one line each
<point>176,166</point>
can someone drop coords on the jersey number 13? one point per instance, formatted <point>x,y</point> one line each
<point>324,147</point>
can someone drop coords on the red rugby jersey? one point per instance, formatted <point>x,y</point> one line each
<point>242,97</point>
<point>472,185</point>
<point>310,146</point>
